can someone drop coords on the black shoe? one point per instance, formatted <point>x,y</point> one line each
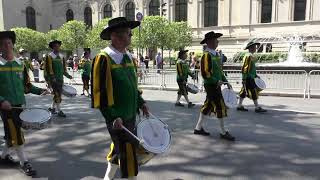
<point>260,110</point>
<point>179,104</point>
<point>227,136</point>
<point>201,132</point>
<point>82,94</point>
<point>27,169</point>
<point>52,110</point>
<point>8,161</point>
<point>61,114</point>
<point>190,105</point>
<point>241,108</point>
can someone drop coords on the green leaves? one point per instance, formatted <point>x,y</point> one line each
<point>93,37</point>
<point>30,40</point>
<point>73,35</point>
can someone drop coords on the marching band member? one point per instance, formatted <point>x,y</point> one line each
<point>56,68</point>
<point>213,77</point>
<point>14,84</point>
<point>85,66</point>
<point>114,91</point>
<point>183,72</point>
<point>249,72</point>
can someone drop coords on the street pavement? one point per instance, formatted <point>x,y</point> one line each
<point>280,144</point>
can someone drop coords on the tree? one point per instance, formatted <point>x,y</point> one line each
<point>73,35</point>
<point>30,40</point>
<point>179,35</point>
<point>93,39</point>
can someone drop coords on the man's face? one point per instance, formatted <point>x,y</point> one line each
<point>6,45</point>
<point>213,43</point>
<point>56,47</point>
<point>184,56</point>
<point>122,36</point>
<point>253,48</point>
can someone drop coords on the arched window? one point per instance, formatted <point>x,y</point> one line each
<point>181,10</point>
<point>266,11</point>
<point>31,18</point>
<point>154,8</point>
<point>210,13</point>
<point>130,11</point>
<point>88,16</point>
<point>107,11</point>
<point>69,15</point>
<point>299,10</point>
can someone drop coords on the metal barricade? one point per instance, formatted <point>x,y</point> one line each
<point>314,83</point>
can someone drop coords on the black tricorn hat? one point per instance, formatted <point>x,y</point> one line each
<point>51,43</point>
<point>210,35</point>
<point>8,34</point>
<point>251,43</point>
<point>119,22</point>
<point>86,49</point>
<point>181,52</point>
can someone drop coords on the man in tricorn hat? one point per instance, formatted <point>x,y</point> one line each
<point>56,68</point>
<point>213,77</point>
<point>249,73</point>
<point>183,71</point>
<point>14,84</point>
<point>114,91</point>
<point>85,68</point>
<point>25,59</point>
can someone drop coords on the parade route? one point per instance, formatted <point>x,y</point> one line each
<point>280,144</point>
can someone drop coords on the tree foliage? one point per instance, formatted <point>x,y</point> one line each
<point>93,39</point>
<point>30,40</point>
<point>73,35</point>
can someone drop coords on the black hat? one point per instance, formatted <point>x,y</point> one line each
<point>8,34</point>
<point>86,49</point>
<point>251,43</point>
<point>210,35</point>
<point>181,52</point>
<point>119,22</point>
<point>51,43</point>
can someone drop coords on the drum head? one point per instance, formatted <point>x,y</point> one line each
<point>229,97</point>
<point>35,115</point>
<point>69,90</point>
<point>260,83</point>
<point>155,134</point>
<point>192,88</point>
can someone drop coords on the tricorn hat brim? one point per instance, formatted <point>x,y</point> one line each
<point>8,34</point>
<point>215,35</point>
<point>251,44</point>
<point>106,33</point>
<point>51,43</point>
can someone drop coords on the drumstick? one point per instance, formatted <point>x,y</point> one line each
<point>140,140</point>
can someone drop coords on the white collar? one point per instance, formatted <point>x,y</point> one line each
<point>4,61</point>
<point>115,55</point>
<point>53,55</point>
<point>212,51</point>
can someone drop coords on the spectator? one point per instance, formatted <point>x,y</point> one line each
<point>36,67</point>
<point>146,61</point>
<point>159,62</point>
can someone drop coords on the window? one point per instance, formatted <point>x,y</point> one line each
<point>130,11</point>
<point>266,11</point>
<point>210,13</point>
<point>299,10</point>
<point>107,11</point>
<point>88,16</point>
<point>154,8</point>
<point>260,48</point>
<point>31,18</point>
<point>69,15</point>
<point>268,47</point>
<point>181,10</point>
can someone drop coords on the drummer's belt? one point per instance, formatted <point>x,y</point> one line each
<point>214,102</point>
<point>12,128</point>
<point>250,90</point>
<point>57,91</point>
<point>126,159</point>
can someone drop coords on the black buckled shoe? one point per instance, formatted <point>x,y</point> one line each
<point>52,110</point>
<point>227,136</point>
<point>260,110</point>
<point>27,169</point>
<point>241,108</point>
<point>190,105</point>
<point>201,132</point>
<point>179,104</point>
<point>8,161</point>
<point>61,114</point>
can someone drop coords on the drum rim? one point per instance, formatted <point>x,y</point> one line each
<point>260,81</point>
<point>162,150</point>
<point>233,94</point>
<point>40,122</point>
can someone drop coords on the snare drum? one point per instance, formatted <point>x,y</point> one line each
<point>35,118</point>
<point>69,91</point>
<point>229,97</point>
<point>155,135</point>
<point>192,88</point>
<point>261,85</point>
